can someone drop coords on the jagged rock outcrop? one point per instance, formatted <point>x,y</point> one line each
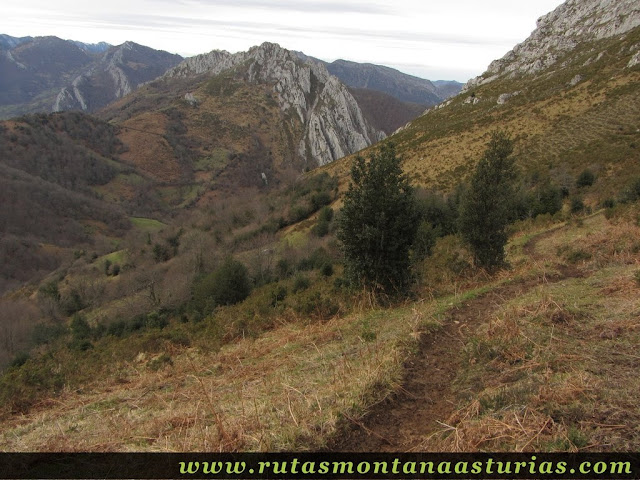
<point>118,72</point>
<point>211,63</point>
<point>559,32</point>
<point>191,99</point>
<point>333,123</point>
<point>505,97</point>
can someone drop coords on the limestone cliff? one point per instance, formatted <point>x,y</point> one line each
<point>572,24</point>
<point>333,123</point>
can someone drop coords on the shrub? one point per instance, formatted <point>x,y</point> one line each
<point>80,344</point>
<point>160,362</point>
<point>326,214</point>
<point>73,303</point>
<point>161,253</point>
<point>156,320</point>
<point>575,256</point>
<point>547,199</point>
<point>440,212</point>
<point>632,192</point>
<point>20,359</point>
<point>300,283</point>
<point>51,291</point>
<point>608,203</point>
<point>577,205</point>
<point>228,285</point>
<point>425,240</point>
<point>317,259</point>
<point>320,229</point>
<point>80,328</point>
<point>117,328</point>
<point>46,333</point>
<point>327,270</point>
<point>299,213</point>
<point>586,178</point>
<point>316,304</point>
<point>277,295</point>
<point>320,199</point>
<point>283,268</point>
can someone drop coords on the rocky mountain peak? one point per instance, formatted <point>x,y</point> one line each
<point>560,31</point>
<point>334,125</point>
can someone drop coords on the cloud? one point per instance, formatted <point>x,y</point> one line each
<point>302,6</point>
<point>455,35</point>
<point>184,23</point>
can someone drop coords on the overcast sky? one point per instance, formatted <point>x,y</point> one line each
<point>443,39</point>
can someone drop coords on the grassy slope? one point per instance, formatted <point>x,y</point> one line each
<point>557,128</point>
<point>553,369</point>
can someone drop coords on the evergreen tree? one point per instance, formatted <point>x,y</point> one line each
<point>486,208</point>
<point>378,223</point>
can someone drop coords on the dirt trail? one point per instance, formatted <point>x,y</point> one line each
<point>405,421</point>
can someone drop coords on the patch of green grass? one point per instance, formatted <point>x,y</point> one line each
<point>147,223</point>
<point>295,239</point>
<point>119,257</point>
<point>132,179</point>
<point>216,161</point>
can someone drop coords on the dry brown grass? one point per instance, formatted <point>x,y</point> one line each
<point>555,370</point>
<point>147,149</point>
<point>284,390</point>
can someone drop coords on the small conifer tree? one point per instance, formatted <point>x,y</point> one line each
<point>485,211</point>
<point>377,224</point>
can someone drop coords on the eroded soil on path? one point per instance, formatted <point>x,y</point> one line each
<point>421,407</point>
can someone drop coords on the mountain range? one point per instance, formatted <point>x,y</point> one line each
<point>41,74</point>
<point>45,74</point>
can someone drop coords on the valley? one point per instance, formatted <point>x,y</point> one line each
<point>172,278</point>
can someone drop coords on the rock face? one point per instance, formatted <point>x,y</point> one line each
<point>333,123</point>
<point>505,97</point>
<point>116,73</point>
<point>571,24</point>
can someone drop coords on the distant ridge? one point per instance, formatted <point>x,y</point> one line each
<point>44,74</point>
<point>7,41</point>
<point>93,47</point>
<point>404,87</point>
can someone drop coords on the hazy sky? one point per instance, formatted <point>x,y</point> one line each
<point>435,39</point>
